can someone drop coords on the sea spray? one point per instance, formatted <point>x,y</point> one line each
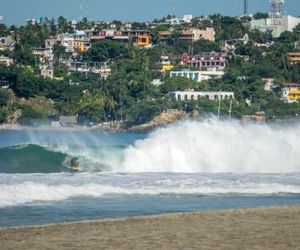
<point>94,151</point>
<point>209,146</point>
<point>215,146</point>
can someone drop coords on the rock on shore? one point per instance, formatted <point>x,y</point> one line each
<point>167,117</point>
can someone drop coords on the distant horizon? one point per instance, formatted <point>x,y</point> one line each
<point>129,10</point>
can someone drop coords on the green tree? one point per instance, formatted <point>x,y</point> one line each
<point>260,15</point>
<point>63,25</point>
<point>105,50</point>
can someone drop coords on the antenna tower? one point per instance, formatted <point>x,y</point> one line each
<point>246,7</point>
<point>276,7</point>
<point>173,10</point>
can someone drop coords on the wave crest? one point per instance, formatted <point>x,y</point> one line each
<point>217,146</point>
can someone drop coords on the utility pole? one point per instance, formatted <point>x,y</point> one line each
<point>219,108</point>
<point>230,109</point>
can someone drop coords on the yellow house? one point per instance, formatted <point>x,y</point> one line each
<point>167,67</point>
<point>165,63</point>
<point>82,46</point>
<point>291,94</point>
<point>294,95</point>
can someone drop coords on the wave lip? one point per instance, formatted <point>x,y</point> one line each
<point>214,146</point>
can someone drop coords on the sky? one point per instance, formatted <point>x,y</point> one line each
<point>17,11</point>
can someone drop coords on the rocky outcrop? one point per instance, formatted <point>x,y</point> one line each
<point>167,117</point>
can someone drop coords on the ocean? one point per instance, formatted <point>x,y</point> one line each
<point>189,166</point>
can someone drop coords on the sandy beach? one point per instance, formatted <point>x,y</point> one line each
<point>261,228</point>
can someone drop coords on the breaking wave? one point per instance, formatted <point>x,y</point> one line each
<point>209,146</point>
<point>217,146</point>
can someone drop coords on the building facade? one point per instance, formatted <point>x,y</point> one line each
<point>165,63</point>
<point>189,35</point>
<point>210,60</point>
<point>7,43</point>
<point>67,41</point>
<point>294,57</point>
<point>191,95</point>
<point>291,94</point>
<point>47,72</point>
<point>198,76</point>
<point>276,25</point>
<point>6,60</point>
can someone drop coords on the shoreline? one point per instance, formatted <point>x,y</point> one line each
<point>254,228</point>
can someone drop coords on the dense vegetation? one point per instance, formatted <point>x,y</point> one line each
<point>128,94</point>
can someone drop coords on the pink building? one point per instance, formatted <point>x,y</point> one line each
<point>205,61</point>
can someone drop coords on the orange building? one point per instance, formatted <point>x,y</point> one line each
<point>143,39</point>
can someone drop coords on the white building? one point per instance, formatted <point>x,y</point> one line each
<point>198,76</point>
<point>173,21</point>
<point>297,45</point>
<point>47,72</point>
<point>189,95</point>
<point>269,83</point>
<point>156,82</point>
<point>187,18</point>
<point>276,25</point>
<point>7,42</point>
<point>68,42</point>
<point>79,35</point>
<point>74,24</point>
<point>103,71</point>
<point>49,43</point>
<point>6,60</point>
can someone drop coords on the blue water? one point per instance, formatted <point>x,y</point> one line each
<point>37,186</point>
<point>114,207</point>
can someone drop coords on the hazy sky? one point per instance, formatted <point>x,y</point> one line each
<point>17,11</point>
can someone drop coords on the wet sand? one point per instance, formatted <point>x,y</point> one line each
<point>261,228</point>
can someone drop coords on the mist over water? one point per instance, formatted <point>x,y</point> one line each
<point>214,146</point>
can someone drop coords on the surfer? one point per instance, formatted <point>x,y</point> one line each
<point>74,165</point>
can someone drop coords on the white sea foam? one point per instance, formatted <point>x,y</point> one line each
<point>209,146</point>
<point>22,189</point>
<point>214,146</point>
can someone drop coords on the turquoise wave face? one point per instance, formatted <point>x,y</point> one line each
<point>30,159</point>
<point>41,159</point>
